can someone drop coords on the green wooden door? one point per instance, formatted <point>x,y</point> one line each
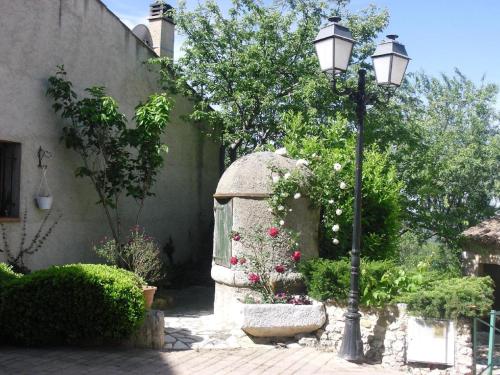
<point>223,227</point>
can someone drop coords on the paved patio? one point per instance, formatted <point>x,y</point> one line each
<point>17,361</point>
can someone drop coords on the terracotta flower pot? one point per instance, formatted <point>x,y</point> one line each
<point>149,294</point>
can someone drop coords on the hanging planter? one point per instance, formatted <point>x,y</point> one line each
<point>44,198</point>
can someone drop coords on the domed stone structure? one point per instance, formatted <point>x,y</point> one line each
<point>240,205</point>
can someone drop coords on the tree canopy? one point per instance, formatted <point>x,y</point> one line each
<point>255,63</point>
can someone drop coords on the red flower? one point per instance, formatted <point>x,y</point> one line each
<point>236,237</point>
<point>296,256</point>
<point>243,260</point>
<point>253,278</point>
<point>273,231</point>
<point>233,261</point>
<point>280,268</point>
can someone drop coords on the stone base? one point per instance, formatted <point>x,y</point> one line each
<point>227,307</point>
<point>281,320</point>
<point>151,334</point>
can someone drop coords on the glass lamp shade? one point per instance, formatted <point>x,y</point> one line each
<point>390,61</point>
<point>334,47</point>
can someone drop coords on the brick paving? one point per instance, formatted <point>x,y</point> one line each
<point>19,361</point>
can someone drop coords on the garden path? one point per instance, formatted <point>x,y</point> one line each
<point>190,324</point>
<point>305,361</point>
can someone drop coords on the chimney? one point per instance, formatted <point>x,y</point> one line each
<point>161,26</point>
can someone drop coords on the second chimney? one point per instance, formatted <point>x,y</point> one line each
<point>162,29</point>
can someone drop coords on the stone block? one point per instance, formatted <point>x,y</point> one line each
<point>151,334</point>
<point>281,320</point>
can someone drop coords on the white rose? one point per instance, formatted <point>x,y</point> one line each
<point>336,228</point>
<point>337,167</point>
<point>343,185</point>
<point>276,178</point>
<point>330,201</point>
<point>281,208</point>
<point>281,151</point>
<point>335,241</point>
<point>282,222</point>
<point>302,162</point>
<point>297,196</point>
<point>287,175</point>
<point>338,212</point>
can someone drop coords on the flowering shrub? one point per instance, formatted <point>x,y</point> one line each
<point>140,254</point>
<point>270,255</point>
<point>329,155</point>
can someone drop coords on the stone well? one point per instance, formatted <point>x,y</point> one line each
<point>240,205</point>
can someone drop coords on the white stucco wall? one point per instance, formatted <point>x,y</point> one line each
<point>96,49</point>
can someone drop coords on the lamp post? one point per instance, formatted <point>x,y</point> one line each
<point>334,44</point>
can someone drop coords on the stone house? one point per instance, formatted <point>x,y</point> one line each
<point>481,252</point>
<point>96,48</point>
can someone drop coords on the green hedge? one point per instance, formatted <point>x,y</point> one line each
<point>6,275</point>
<point>428,294</point>
<point>452,298</point>
<point>73,304</point>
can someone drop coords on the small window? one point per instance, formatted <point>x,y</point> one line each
<point>10,179</point>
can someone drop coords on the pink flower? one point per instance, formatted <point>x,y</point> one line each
<point>253,278</point>
<point>279,268</point>
<point>296,256</point>
<point>243,260</point>
<point>233,261</point>
<point>236,237</point>
<point>273,232</point>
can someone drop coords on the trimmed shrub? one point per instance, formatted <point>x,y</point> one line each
<point>7,275</point>
<point>452,298</point>
<point>73,304</point>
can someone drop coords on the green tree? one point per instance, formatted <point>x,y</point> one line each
<point>330,152</point>
<point>120,161</point>
<point>450,161</point>
<point>256,62</point>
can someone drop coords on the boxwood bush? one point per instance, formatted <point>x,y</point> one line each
<point>6,275</point>
<point>73,304</point>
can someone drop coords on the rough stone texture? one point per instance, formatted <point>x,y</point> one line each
<point>384,331</point>
<point>247,182</point>
<point>151,334</point>
<point>275,320</point>
<point>96,48</point>
<point>250,174</point>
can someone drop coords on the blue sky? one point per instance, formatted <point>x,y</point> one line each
<point>439,35</point>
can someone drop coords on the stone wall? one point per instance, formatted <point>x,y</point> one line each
<point>384,335</point>
<point>96,48</point>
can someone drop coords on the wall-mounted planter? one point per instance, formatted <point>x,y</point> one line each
<point>44,203</point>
<point>284,320</point>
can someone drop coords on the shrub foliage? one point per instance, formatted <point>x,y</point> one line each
<point>452,298</point>
<point>79,303</point>
<point>427,293</point>
<point>6,275</point>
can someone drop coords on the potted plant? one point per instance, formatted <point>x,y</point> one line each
<point>140,254</point>
<point>269,259</point>
<point>44,202</point>
<point>43,197</point>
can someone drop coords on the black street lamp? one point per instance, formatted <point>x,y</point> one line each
<point>334,48</point>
